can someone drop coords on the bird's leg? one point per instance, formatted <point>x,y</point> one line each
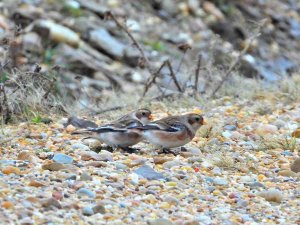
<point>129,150</point>
<point>109,148</point>
<point>183,149</point>
<point>166,151</point>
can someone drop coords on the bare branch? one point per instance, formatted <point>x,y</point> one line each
<point>109,109</point>
<point>45,96</point>
<point>234,64</point>
<point>173,75</point>
<point>197,72</point>
<point>151,80</point>
<point>109,14</point>
<point>4,104</point>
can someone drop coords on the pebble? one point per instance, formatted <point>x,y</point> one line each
<point>170,164</point>
<point>287,173</point>
<point>271,195</point>
<point>11,169</point>
<point>7,204</point>
<point>87,211</point>
<point>51,202</point>
<point>57,195</point>
<point>54,166</point>
<point>120,166</point>
<point>149,173</point>
<point>92,143</point>
<point>210,188</point>
<point>295,166</point>
<point>35,183</point>
<point>226,134</point>
<point>194,151</point>
<point>72,177</point>
<point>161,221</point>
<point>105,156</point>
<point>287,153</point>
<point>90,155</point>
<point>26,221</point>
<point>62,158</point>
<point>99,209</point>
<point>26,155</point>
<point>230,127</point>
<point>161,160</point>
<point>296,133</point>
<point>170,199</point>
<point>255,184</point>
<point>70,128</point>
<point>86,192</point>
<point>134,178</point>
<point>203,219</point>
<point>220,181</point>
<point>242,203</point>
<point>85,177</point>
<point>266,129</point>
<point>80,146</point>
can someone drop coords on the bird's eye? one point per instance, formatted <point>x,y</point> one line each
<point>197,119</point>
<point>143,113</point>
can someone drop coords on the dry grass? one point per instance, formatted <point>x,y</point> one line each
<point>30,94</point>
<point>224,160</point>
<point>284,143</point>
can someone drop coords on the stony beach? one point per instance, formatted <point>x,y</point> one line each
<point>241,168</point>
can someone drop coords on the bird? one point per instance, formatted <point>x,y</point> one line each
<point>172,131</point>
<point>121,133</point>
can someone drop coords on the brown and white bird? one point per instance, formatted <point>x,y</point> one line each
<point>121,133</point>
<point>172,131</point>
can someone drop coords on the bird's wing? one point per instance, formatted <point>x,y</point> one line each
<point>169,124</point>
<point>120,126</point>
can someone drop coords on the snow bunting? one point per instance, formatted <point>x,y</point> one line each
<point>172,131</point>
<point>121,133</point>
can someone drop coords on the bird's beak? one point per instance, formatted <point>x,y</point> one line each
<point>203,122</point>
<point>150,117</point>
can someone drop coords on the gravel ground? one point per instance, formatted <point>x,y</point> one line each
<point>241,168</point>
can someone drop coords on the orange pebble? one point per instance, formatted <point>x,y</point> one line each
<point>7,205</point>
<point>11,169</point>
<point>70,128</point>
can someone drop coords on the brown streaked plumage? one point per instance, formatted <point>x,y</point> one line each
<point>121,133</point>
<point>173,131</point>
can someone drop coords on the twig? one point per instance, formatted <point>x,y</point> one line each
<point>5,103</point>
<point>151,80</point>
<point>5,141</point>
<point>45,96</point>
<point>184,47</point>
<point>171,95</point>
<point>109,109</point>
<point>4,65</point>
<point>173,75</point>
<point>234,64</point>
<point>109,14</point>
<point>197,72</point>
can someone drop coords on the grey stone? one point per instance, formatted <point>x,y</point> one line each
<point>160,221</point>
<point>79,146</point>
<point>220,181</point>
<point>85,176</point>
<point>230,127</point>
<point>87,211</point>
<point>86,192</point>
<point>149,173</point>
<point>62,158</point>
<point>99,209</point>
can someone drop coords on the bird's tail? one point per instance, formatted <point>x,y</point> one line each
<point>99,130</point>
<point>81,131</point>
